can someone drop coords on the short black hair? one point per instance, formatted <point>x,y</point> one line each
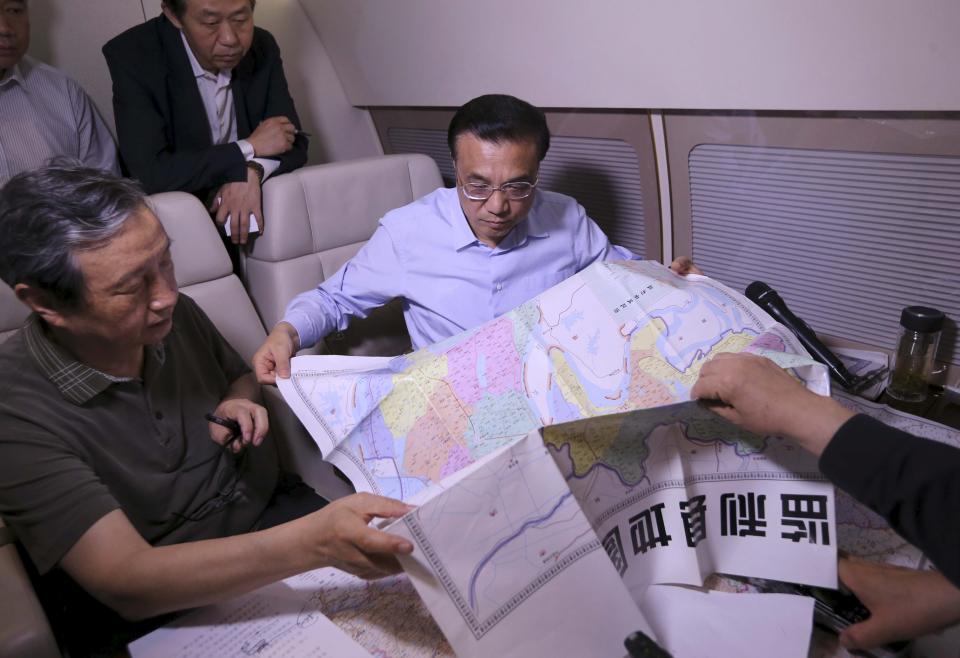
<point>180,6</point>
<point>49,214</point>
<point>500,118</point>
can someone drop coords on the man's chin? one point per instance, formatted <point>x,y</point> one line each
<point>225,63</point>
<point>500,230</point>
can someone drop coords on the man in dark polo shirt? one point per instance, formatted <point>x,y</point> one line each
<point>110,475</point>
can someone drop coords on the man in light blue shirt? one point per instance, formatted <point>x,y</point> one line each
<point>457,257</point>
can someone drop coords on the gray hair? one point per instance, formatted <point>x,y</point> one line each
<point>49,214</point>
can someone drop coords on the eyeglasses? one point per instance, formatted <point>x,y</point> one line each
<point>513,191</point>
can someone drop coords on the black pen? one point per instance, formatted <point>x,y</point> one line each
<point>639,645</point>
<point>302,132</point>
<point>230,424</point>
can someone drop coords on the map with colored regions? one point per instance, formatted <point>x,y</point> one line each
<point>616,337</point>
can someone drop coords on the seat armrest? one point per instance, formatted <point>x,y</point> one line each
<point>24,629</point>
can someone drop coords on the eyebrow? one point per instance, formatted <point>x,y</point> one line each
<point>525,178</point>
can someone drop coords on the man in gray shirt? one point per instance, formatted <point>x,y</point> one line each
<point>109,471</point>
<point>43,112</point>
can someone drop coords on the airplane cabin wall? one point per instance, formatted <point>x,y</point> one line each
<point>69,34</point>
<point>697,54</point>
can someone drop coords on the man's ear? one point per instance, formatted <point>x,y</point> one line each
<point>40,302</point>
<point>171,16</point>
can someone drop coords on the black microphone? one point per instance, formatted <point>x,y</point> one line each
<point>767,298</point>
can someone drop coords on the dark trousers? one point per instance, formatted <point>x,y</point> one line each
<point>291,499</point>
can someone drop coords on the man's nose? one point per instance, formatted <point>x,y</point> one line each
<point>164,293</point>
<point>227,34</point>
<point>498,203</point>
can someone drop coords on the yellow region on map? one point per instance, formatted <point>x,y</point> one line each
<point>589,442</point>
<point>409,399</point>
<point>650,362</point>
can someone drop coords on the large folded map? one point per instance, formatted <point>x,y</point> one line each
<point>549,544</point>
<point>563,431</point>
<point>615,337</point>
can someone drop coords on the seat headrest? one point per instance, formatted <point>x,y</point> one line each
<point>332,205</point>
<point>197,247</point>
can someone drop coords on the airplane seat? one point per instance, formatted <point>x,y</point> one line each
<point>24,628</point>
<point>204,272</point>
<point>317,218</point>
<point>12,312</point>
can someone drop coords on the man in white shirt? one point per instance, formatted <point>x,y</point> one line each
<point>44,113</point>
<point>205,59</point>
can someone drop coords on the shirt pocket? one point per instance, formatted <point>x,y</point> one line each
<point>533,284</point>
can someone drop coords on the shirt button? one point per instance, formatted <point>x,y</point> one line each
<point>158,415</point>
<point>499,286</point>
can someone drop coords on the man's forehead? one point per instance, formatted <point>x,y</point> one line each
<point>13,4</point>
<point>475,155</point>
<point>217,6</point>
<point>140,239</point>
<point>472,143</point>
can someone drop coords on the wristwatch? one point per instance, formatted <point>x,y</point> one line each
<point>257,167</point>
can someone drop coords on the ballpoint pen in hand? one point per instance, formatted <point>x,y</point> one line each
<point>230,424</point>
<point>639,645</point>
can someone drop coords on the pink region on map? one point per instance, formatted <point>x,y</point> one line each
<point>768,341</point>
<point>436,435</point>
<point>457,458</point>
<point>492,348</point>
<point>644,390</point>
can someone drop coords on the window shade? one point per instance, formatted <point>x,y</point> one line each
<point>847,238</point>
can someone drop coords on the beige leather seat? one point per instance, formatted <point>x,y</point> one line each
<point>204,273</point>
<point>24,629</point>
<point>318,218</point>
<point>12,312</point>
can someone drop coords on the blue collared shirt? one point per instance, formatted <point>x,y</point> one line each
<point>426,254</point>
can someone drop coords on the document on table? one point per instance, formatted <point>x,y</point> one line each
<point>276,621</point>
<point>693,622</point>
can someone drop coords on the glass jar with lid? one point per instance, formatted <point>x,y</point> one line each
<point>914,357</point>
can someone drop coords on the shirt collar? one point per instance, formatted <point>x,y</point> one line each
<point>15,74</point>
<point>222,78</point>
<point>531,227</point>
<point>76,381</point>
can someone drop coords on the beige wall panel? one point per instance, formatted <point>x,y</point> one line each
<point>69,34</point>
<point>339,131</point>
<point>696,54</point>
